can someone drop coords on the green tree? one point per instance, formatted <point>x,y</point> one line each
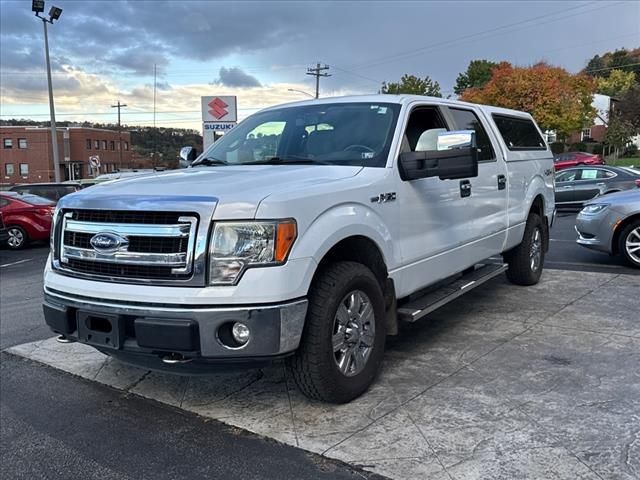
<point>619,133</point>
<point>477,75</point>
<point>616,84</point>
<point>413,85</point>
<point>623,59</point>
<point>628,108</point>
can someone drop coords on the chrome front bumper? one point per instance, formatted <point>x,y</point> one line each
<point>155,330</point>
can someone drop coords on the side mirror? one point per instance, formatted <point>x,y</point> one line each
<point>456,157</point>
<point>187,155</point>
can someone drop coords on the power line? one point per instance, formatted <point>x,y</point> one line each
<point>317,72</point>
<point>406,54</point>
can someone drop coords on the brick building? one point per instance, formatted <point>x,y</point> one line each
<point>26,154</point>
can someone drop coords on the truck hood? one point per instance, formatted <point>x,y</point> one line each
<point>238,190</point>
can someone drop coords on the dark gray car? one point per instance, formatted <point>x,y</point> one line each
<point>575,186</point>
<point>611,224</point>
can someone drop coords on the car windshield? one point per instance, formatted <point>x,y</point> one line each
<point>335,134</point>
<point>632,170</point>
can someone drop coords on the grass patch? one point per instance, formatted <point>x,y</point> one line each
<point>625,162</point>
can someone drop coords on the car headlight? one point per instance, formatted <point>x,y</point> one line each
<point>595,208</point>
<point>236,246</point>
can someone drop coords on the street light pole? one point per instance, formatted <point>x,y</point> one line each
<point>52,110</point>
<point>37,6</point>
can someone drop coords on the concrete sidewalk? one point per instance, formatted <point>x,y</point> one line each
<point>508,382</point>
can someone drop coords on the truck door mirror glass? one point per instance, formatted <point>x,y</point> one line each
<point>456,157</point>
<point>187,155</point>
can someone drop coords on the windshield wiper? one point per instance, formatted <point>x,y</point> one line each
<point>211,161</point>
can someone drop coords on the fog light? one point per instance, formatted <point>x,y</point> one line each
<point>240,333</point>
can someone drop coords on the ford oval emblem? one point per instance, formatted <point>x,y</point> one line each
<point>107,242</point>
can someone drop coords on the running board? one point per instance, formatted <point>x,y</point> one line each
<point>426,304</point>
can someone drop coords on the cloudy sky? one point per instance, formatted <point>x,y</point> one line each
<point>103,51</point>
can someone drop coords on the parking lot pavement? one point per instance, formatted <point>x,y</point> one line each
<point>508,382</point>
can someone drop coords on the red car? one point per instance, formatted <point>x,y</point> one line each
<point>573,159</point>
<point>27,218</point>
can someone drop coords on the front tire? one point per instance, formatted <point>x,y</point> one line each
<point>630,243</point>
<point>342,347</point>
<point>18,238</point>
<point>527,259</point>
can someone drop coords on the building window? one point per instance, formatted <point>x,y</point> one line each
<point>118,146</point>
<point>586,134</point>
<point>8,169</point>
<point>24,169</point>
<point>104,144</point>
<point>96,144</point>
<point>88,144</point>
<point>126,145</point>
<point>22,143</point>
<point>112,145</point>
<point>8,143</point>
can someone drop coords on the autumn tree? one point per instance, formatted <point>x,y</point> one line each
<point>616,84</point>
<point>557,99</point>
<point>413,85</point>
<point>477,75</point>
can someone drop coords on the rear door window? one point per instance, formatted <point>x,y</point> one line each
<point>468,120</point>
<point>519,133</point>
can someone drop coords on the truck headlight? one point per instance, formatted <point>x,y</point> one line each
<point>592,209</point>
<point>236,246</point>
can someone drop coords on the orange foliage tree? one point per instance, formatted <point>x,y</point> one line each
<point>557,99</point>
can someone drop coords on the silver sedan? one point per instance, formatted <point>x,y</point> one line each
<point>611,224</point>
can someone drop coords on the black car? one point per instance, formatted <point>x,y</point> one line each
<point>575,186</point>
<point>51,191</point>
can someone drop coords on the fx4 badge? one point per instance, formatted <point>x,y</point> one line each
<point>384,197</point>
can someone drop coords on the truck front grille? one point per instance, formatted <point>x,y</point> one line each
<point>146,246</point>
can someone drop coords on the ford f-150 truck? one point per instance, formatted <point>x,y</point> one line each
<point>309,232</point>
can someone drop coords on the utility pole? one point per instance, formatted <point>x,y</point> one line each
<point>119,106</point>
<point>317,72</point>
<point>155,87</point>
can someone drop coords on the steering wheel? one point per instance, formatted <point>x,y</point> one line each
<point>359,147</point>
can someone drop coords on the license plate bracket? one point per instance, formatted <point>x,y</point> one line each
<point>101,329</point>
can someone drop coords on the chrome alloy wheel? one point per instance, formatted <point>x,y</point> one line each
<point>354,330</point>
<point>535,252</point>
<point>632,245</point>
<point>16,237</point>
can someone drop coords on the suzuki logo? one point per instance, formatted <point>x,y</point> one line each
<point>218,108</point>
<point>106,242</point>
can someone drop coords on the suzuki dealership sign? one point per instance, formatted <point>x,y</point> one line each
<point>219,114</point>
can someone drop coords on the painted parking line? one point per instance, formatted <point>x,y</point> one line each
<point>561,240</point>
<point>15,263</point>
<point>583,264</point>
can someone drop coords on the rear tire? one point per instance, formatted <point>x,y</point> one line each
<point>18,238</point>
<point>342,346</point>
<point>527,259</point>
<point>630,243</point>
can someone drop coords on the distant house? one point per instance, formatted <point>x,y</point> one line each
<point>604,105</point>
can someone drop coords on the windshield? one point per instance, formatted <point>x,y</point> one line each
<point>336,134</point>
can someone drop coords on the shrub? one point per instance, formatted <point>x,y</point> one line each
<point>597,149</point>
<point>557,147</point>
<point>631,151</point>
<point>578,147</point>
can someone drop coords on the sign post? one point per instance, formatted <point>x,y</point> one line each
<point>219,115</point>
<point>94,163</point>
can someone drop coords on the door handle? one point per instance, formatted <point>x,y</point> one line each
<point>502,182</point>
<point>465,188</point>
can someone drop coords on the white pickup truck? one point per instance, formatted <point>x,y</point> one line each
<point>309,232</point>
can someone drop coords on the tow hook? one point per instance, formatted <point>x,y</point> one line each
<point>175,358</point>
<point>63,339</point>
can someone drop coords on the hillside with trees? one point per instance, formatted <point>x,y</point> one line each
<point>165,141</point>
